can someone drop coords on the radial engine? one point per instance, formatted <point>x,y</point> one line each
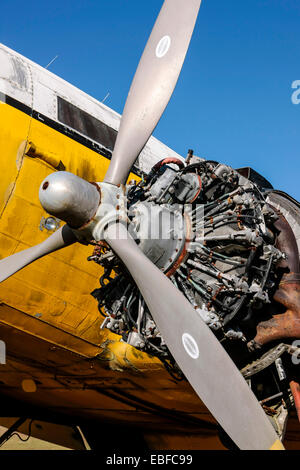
<point>221,238</point>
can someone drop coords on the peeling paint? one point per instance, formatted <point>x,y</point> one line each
<point>19,73</point>
<point>20,154</point>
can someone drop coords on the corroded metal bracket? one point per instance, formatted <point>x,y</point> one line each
<point>287,324</point>
<point>50,158</point>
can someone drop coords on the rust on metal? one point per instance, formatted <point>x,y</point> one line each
<point>166,161</point>
<point>287,324</point>
<point>295,389</point>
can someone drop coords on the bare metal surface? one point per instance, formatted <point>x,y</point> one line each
<point>69,198</point>
<point>265,361</point>
<point>289,208</point>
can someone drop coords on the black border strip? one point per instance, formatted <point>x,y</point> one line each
<point>67,131</point>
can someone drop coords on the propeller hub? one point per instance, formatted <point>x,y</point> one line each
<point>70,198</point>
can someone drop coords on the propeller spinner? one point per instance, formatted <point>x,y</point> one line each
<point>97,212</point>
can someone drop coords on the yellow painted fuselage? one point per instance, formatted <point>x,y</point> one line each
<point>57,356</point>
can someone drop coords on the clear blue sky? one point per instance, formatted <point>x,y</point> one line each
<point>233,100</point>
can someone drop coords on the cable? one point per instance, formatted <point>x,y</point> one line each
<point>18,435</point>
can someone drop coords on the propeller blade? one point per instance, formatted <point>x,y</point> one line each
<point>202,359</point>
<point>153,83</point>
<point>59,239</point>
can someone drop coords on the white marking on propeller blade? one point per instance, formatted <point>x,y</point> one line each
<point>163,46</point>
<point>213,375</point>
<point>190,345</point>
<point>153,84</point>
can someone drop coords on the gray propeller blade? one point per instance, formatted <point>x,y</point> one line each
<point>153,83</point>
<point>59,239</point>
<point>197,351</point>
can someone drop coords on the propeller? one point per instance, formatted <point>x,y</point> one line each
<point>200,356</point>
<point>198,353</point>
<point>153,83</point>
<point>59,239</point>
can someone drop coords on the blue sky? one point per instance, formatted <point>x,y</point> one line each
<point>233,99</point>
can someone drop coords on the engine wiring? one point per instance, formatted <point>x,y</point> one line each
<point>222,257</point>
